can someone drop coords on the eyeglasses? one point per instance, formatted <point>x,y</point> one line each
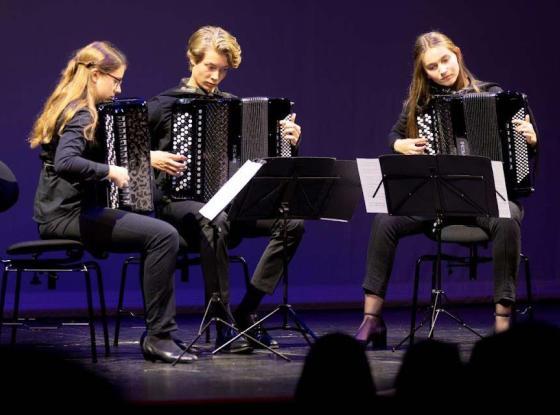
<point>116,81</point>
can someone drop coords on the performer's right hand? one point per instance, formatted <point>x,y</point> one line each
<point>119,176</point>
<point>173,164</point>
<point>410,145</point>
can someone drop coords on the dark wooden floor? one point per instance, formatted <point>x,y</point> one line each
<point>260,375</point>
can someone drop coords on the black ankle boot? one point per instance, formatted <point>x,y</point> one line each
<point>376,332</point>
<point>225,334</point>
<point>245,320</point>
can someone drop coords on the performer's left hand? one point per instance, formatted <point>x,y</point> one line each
<point>292,130</point>
<point>526,128</point>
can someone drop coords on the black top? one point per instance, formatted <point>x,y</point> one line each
<point>399,129</point>
<point>67,168</point>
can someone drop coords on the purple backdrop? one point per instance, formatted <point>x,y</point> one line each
<point>346,64</point>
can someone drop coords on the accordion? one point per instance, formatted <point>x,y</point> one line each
<point>481,124</point>
<point>124,138</point>
<point>218,135</point>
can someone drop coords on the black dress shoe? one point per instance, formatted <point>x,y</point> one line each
<point>239,346</point>
<point>164,349</point>
<point>259,333</point>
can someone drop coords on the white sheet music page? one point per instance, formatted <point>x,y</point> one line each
<point>501,190</point>
<point>228,191</point>
<point>371,178</point>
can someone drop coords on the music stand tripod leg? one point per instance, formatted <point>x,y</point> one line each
<point>461,322</point>
<point>206,323</point>
<point>248,336</point>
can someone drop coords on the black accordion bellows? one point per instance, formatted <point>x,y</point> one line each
<point>218,135</point>
<point>481,124</point>
<point>124,137</point>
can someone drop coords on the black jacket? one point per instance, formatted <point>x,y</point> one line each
<point>67,169</point>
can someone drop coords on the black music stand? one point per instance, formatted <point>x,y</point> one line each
<point>310,188</point>
<point>439,187</point>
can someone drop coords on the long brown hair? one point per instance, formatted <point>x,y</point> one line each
<point>419,91</point>
<point>74,91</point>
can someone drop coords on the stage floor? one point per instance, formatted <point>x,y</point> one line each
<point>258,376</point>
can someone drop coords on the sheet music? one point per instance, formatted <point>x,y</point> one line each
<point>230,189</point>
<point>371,180</point>
<point>501,190</point>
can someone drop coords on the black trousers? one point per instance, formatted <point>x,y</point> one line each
<point>118,231</point>
<point>213,239</point>
<point>387,230</point>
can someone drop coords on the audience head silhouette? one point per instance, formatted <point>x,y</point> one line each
<point>336,371</point>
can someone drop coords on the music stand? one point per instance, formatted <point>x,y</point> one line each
<point>310,188</point>
<point>439,187</point>
<point>210,316</point>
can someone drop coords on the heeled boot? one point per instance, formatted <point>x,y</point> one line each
<point>372,330</point>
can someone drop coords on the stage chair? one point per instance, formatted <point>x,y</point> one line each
<point>62,255</point>
<point>472,238</point>
<point>184,261</point>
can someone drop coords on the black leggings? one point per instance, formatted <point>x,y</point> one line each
<point>121,232</point>
<point>387,230</point>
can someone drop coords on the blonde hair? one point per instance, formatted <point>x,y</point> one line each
<point>219,39</point>
<point>74,92</point>
<point>419,91</point>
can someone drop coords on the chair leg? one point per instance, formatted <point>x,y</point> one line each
<point>241,260</point>
<point>473,262</point>
<point>207,332</point>
<point>121,300</point>
<point>3,298</point>
<point>183,265</point>
<point>103,306</point>
<point>414,300</point>
<point>91,315</point>
<point>413,313</point>
<point>529,288</point>
<point>16,306</point>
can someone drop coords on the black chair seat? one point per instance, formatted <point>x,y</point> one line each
<point>74,249</point>
<point>461,234</point>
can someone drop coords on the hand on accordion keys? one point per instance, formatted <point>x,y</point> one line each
<point>172,164</point>
<point>526,128</point>
<point>119,176</point>
<point>410,145</point>
<point>292,131</point>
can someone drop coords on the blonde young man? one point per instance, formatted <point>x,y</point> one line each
<point>211,53</point>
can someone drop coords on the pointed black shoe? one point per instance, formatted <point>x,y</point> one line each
<point>239,346</point>
<point>377,333</point>
<point>247,320</point>
<point>164,349</point>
